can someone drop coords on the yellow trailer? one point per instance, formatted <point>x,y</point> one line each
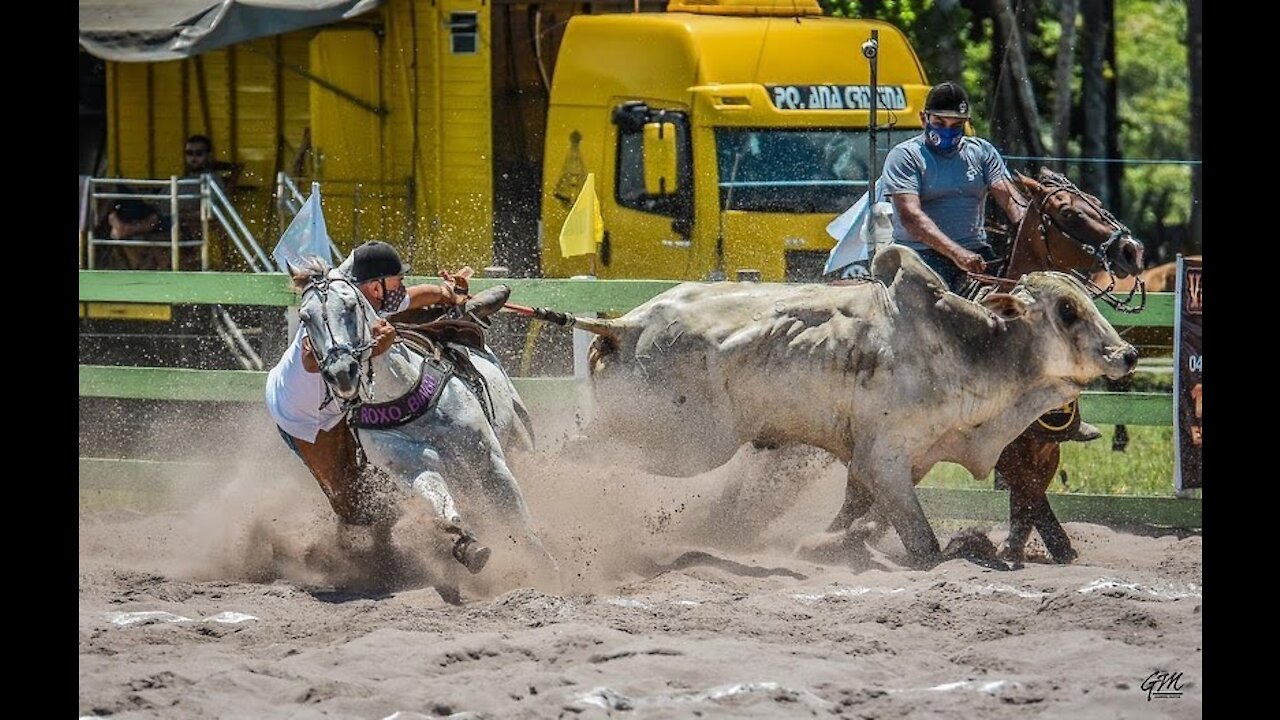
<point>461,130</point>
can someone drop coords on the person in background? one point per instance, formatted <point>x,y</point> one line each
<point>133,219</point>
<point>198,159</point>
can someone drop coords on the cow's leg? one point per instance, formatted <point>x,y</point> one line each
<point>768,485</point>
<point>895,492</point>
<point>857,501</point>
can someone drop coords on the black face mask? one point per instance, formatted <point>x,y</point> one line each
<point>391,299</point>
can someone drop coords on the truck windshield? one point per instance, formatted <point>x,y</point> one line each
<point>796,171</point>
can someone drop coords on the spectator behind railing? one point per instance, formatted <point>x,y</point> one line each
<point>133,220</point>
<point>198,159</point>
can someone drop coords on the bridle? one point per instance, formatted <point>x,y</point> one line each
<point>320,284</point>
<point>1038,208</point>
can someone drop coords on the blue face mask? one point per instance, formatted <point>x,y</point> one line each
<point>944,139</point>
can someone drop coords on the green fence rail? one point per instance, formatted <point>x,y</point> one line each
<point>248,386</point>
<point>606,296</point>
<point>148,484</point>
<point>582,296</point>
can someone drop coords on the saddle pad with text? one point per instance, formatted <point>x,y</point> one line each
<point>410,406</point>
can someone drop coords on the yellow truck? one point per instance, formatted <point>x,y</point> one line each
<point>724,135</point>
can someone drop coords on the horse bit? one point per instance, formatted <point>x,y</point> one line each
<point>1100,253</point>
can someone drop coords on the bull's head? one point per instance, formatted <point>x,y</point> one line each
<point>1075,341</point>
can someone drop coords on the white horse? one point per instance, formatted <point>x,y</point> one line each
<point>433,431</point>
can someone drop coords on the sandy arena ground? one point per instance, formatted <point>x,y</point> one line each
<point>240,601</point>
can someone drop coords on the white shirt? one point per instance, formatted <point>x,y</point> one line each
<point>294,395</point>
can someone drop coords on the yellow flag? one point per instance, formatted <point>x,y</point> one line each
<point>584,227</point>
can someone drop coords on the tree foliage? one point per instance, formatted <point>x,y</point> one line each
<point>1146,75</point>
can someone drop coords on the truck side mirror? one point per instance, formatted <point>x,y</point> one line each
<point>660,159</point>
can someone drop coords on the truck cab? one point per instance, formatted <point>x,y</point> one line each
<point>724,135</point>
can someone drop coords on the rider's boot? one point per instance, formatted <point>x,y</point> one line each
<point>1086,432</point>
<point>468,551</point>
<point>486,302</point>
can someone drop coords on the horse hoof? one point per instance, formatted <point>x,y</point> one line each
<point>471,554</point>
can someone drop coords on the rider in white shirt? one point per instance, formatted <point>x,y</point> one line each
<point>321,437</point>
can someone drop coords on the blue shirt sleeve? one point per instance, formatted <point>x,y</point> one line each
<point>901,173</point>
<point>993,166</point>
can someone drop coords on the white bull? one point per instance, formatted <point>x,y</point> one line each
<point>891,376</point>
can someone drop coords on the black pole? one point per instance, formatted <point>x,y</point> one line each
<point>870,49</point>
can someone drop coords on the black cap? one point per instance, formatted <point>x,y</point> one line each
<point>947,100</point>
<point>374,260</point>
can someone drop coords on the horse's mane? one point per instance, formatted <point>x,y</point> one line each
<point>309,267</point>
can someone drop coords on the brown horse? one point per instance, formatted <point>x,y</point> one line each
<point>1065,229</point>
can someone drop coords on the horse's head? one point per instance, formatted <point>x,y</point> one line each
<point>339,322</point>
<point>1074,231</point>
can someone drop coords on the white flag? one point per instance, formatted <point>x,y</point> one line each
<point>306,235</point>
<point>847,231</point>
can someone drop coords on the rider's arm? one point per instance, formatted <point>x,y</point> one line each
<point>924,229</point>
<point>384,335</point>
<point>308,358</point>
<point>428,294</point>
<point>1006,196</point>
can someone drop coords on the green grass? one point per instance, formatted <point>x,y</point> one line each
<point>1093,468</point>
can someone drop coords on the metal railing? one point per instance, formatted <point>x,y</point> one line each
<point>213,204</point>
<point>384,200</point>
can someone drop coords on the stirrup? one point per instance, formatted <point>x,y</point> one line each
<point>468,551</point>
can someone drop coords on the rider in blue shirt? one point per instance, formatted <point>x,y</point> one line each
<point>938,182</point>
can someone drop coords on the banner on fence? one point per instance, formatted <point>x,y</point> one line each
<point>1186,377</point>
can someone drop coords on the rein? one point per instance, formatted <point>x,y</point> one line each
<point>1100,253</point>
